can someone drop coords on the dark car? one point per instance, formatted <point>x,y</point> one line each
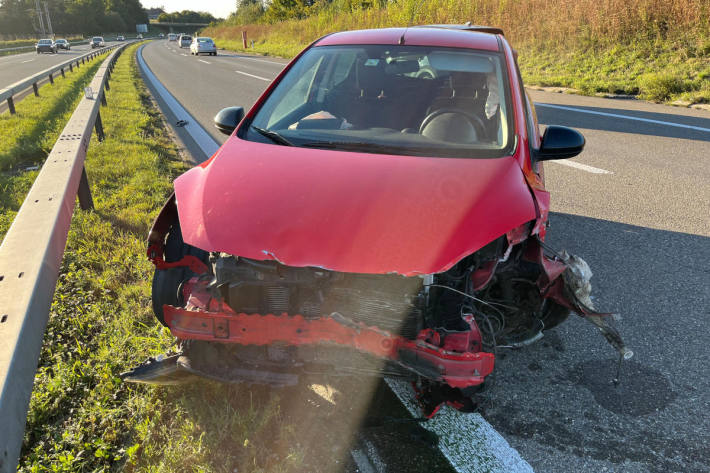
<point>63,44</point>
<point>45,46</point>
<point>382,208</point>
<point>97,42</point>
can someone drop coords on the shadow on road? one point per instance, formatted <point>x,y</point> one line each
<point>558,394</point>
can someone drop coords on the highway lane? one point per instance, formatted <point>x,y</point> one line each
<point>643,227</point>
<point>18,66</point>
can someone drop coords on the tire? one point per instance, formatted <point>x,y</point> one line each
<point>167,282</point>
<point>553,314</point>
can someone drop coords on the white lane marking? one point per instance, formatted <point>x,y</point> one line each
<point>206,143</point>
<point>626,117</point>
<point>261,60</point>
<point>206,62</point>
<point>470,443</point>
<point>29,60</point>
<point>580,166</point>
<point>252,75</point>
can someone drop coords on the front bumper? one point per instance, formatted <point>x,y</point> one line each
<point>455,359</point>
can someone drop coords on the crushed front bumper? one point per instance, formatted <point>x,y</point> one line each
<point>455,359</point>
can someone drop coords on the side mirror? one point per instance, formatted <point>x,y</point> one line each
<point>560,142</point>
<point>228,118</point>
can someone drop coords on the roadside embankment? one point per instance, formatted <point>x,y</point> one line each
<point>655,50</point>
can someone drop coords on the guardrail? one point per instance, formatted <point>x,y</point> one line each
<point>30,258</point>
<point>20,86</point>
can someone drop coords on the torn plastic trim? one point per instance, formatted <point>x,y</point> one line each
<point>566,279</point>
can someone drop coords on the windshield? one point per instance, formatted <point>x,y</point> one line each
<point>45,41</point>
<point>97,38</point>
<point>204,40</point>
<point>427,101</point>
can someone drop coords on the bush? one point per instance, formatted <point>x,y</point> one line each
<point>660,86</point>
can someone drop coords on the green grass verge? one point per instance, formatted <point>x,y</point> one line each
<point>27,136</point>
<point>82,417</point>
<point>660,71</point>
<point>661,67</point>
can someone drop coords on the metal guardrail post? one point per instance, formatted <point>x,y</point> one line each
<point>35,89</point>
<point>51,79</point>
<point>11,105</point>
<point>86,202</point>
<point>30,259</point>
<point>62,69</point>
<point>99,126</point>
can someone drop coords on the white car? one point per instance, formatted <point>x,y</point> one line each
<point>172,37</point>
<point>184,41</point>
<point>203,45</point>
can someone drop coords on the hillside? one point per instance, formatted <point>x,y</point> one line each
<point>657,50</point>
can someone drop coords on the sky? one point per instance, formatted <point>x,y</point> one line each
<point>218,8</point>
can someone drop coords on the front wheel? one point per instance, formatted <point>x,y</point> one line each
<point>167,282</point>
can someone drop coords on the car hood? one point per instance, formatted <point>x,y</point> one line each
<point>348,211</point>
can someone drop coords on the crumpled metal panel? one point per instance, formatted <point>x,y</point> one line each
<point>347,211</point>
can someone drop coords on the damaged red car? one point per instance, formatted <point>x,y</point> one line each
<point>381,209</point>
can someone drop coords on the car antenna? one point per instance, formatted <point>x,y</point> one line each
<point>411,19</point>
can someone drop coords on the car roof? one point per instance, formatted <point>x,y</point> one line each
<point>454,37</point>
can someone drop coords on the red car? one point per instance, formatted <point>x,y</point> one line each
<point>381,209</point>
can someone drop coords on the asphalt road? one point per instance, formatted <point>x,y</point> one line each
<point>18,66</point>
<point>638,210</point>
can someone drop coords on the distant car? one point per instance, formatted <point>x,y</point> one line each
<point>161,35</point>
<point>203,45</point>
<point>62,44</point>
<point>185,41</point>
<point>140,36</point>
<point>120,38</point>
<point>45,46</point>
<point>172,37</point>
<point>97,42</point>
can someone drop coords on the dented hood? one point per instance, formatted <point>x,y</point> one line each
<point>348,211</point>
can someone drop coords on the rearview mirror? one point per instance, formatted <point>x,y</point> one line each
<point>228,118</point>
<point>560,142</point>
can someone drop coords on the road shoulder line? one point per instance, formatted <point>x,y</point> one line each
<point>468,441</point>
<point>618,115</point>
<point>203,140</point>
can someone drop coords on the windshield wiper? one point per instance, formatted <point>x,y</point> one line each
<point>356,145</point>
<point>273,136</point>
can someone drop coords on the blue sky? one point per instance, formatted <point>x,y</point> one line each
<point>218,8</point>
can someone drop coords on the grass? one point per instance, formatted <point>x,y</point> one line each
<point>657,50</point>
<point>82,417</point>
<point>27,136</point>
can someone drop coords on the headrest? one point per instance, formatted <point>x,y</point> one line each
<point>370,75</point>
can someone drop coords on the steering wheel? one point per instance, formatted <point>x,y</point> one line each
<point>475,120</point>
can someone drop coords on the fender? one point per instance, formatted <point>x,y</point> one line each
<point>165,220</point>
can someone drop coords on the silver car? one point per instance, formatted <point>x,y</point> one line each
<point>184,41</point>
<point>203,45</point>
